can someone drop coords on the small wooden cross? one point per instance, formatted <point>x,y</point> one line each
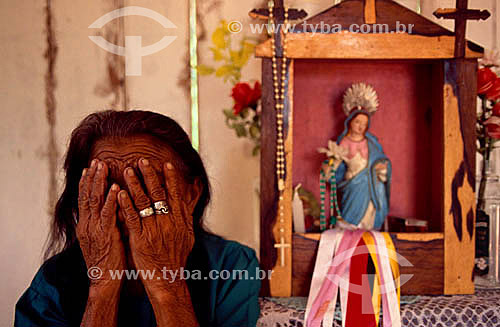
<point>278,19</point>
<point>279,13</point>
<point>282,245</point>
<point>461,14</point>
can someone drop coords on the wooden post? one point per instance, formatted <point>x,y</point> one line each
<point>459,174</point>
<point>370,12</point>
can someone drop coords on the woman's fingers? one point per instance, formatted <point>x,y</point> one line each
<point>98,192</point>
<point>108,213</point>
<point>140,199</point>
<point>153,184</point>
<point>172,180</point>
<point>84,188</point>
<point>83,198</point>
<point>132,219</point>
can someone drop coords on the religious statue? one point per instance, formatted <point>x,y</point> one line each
<point>358,164</point>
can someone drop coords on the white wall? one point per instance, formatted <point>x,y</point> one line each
<point>81,69</point>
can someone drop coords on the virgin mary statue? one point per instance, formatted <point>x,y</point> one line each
<point>358,164</point>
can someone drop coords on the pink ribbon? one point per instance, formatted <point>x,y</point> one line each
<point>329,288</point>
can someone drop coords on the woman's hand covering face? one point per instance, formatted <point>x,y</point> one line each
<point>97,231</point>
<point>154,243</point>
<point>159,241</point>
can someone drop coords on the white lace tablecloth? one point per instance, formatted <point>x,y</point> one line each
<point>478,310</point>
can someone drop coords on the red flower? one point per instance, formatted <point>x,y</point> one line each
<point>485,79</point>
<point>496,109</point>
<point>493,127</point>
<point>494,91</point>
<point>244,96</point>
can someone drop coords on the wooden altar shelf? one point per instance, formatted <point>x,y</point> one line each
<point>427,108</point>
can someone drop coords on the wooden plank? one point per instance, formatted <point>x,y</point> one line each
<point>426,257</point>
<point>459,150</point>
<point>268,185</point>
<point>366,46</point>
<point>436,222</point>
<point>417,237</point>
<point>281,279</point>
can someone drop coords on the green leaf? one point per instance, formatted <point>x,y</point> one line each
<point>240,130</point>
<point>256,150</point>
<point>254,131</point>
<point>205,70</point>
<point>229,114</point>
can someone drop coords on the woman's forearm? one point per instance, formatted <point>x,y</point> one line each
<point>172,305</point>
<point>102,307</point>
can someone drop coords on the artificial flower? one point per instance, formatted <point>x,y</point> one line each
<point>485,79</point>
<point>493,92</point>
<point>493,127</point>
<point>496,109</point>
<point>244,96</point>
<point>334,151</point>
<point>490,58</point>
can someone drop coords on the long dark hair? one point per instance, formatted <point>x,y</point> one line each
<point>119,124</point>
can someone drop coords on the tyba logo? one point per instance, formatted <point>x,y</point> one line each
<point>133,50</point>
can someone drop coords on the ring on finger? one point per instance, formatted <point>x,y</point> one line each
<point>161,207</point>
<point>146,212</point>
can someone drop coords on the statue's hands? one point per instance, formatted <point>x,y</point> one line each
<point>160,241</point>
<point>381,166</point>
<point>381,170</point>
<point>97,232</point>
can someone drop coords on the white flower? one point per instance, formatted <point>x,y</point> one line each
<point>490,58</point>
<point>334,151</point>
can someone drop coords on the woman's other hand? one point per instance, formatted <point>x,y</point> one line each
<point>97,231</point>
<point>101,244</point>
<point>161,242</point>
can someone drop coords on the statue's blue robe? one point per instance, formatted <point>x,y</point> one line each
<point>357,192</point>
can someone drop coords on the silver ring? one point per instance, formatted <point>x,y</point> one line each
<point>161,207</point>
<point>146,212</point>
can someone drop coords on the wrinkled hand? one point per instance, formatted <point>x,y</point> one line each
<point>162,240</point>
<point>97,232</point>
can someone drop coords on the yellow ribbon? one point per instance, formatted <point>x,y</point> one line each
<point>370,244</point>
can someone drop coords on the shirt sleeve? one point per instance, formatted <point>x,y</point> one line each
<point>39,306</point>
<point>237,296</point>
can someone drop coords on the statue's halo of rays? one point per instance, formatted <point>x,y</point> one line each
<point>360,96</point>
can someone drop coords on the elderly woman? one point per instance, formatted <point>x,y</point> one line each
<point>133,203</point>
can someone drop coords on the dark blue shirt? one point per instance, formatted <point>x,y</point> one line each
<point>58,294</point>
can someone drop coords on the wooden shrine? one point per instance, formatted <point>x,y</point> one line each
<point>426,81</point>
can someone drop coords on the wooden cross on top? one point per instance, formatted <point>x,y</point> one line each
<point>279,18</point>
<point>278,13</point>
<point>461,14</point>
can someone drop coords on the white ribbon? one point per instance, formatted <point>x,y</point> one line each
<point>391,314</point>
<point>328,245</point>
